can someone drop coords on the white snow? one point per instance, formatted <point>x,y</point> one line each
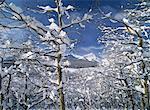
<point>77,56</point>
<point>54,26</point>
<point>7,43</point>
<point>51,20</point>
<point>90,57</point>
<point>62,48</point>
<point>47,8</point>
<point>27,55</point>
<point>125,20</point>
<point>140,89</point>
<point>108,14</point>
<point>66,63</point>
<point>62,34</point>
<point>69,7</point>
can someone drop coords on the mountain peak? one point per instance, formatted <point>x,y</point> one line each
<point>90,57</point>
<point>84,61</point>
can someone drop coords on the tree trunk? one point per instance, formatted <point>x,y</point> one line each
<point>146,89</point>
<point>61,95</point>
<point>132,101</point>
<point>130,95</point>
<point>142,102</point>
<point>1,94</point>
<point>59,57</point>
<point>26,87</point>
<point>8,87</point>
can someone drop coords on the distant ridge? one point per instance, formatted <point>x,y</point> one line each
<point>80,62</point>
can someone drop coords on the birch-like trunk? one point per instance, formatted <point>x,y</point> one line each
<point>59,57</point>
<point>61,95</point>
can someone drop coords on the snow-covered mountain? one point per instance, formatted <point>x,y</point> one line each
<point>90,57</point>
<point>85,61</point>
<point>75,61</point>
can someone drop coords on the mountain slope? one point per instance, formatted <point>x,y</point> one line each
<point>80,62</point>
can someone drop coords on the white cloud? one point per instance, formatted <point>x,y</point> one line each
<point>91,48</point>
<point>119,16</point>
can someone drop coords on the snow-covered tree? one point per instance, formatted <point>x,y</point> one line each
<point>57,39</point>
<point>128,48</point>
<point>38,67</point>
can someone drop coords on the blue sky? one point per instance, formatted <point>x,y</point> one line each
<point>87,39</point>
